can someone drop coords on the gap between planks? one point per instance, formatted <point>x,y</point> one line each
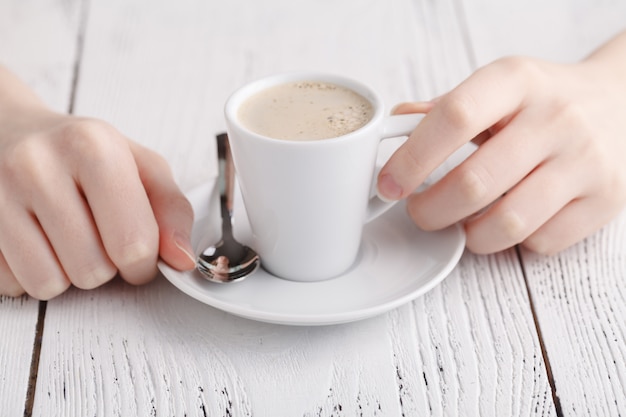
<point>544,353</point>
<point>34,363</point>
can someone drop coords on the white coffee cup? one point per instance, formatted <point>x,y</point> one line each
<point>307,201</point>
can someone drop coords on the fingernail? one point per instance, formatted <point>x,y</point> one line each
<point>387,189</point>
<point>182,243</point>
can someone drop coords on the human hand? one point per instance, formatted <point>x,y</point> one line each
<point>549,168</point>
<point>79,203</point>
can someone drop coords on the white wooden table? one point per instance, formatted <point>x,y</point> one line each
<point>512,334</point>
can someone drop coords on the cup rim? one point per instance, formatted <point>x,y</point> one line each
<point>242,93</point>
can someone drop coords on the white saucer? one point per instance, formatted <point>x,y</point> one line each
<point>397,263</point>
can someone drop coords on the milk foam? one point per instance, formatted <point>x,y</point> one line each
<point>306,110</point>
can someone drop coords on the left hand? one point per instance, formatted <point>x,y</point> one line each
<point>549,169</point>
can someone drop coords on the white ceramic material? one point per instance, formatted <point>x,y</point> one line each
<point>396,263</point>
<point>308,201</point>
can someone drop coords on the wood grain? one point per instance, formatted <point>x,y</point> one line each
<point>160,71</point>
<point>580,299</point>
<point>18,320</point>
<point>469,347</point>
<point>578,296</point>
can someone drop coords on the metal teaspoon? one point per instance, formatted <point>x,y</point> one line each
<point>228,260</point>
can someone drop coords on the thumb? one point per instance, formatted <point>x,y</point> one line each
<point>172,211</point>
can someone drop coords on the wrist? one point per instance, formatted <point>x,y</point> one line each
<point>608,62</point>
<point>16,97</point>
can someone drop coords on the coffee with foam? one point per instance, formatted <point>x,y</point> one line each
<point>305,110</point>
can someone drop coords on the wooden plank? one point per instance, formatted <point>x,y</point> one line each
<point>37,41</point>
<point>470,347</point>
<point>18,320</point>
<point>160,73</point>
<point>580,301</point>
<point>166,354</point>
<point>578,295</point>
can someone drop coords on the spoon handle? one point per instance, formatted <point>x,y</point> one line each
<point>226,164</point>
<point>227,260</point>
<point>227,183</point>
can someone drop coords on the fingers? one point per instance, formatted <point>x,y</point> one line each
<point>490,94</point>
<point>73,235</point>
<point>33,263</point>
<point>542,196</point>
<point>413,107</point>
<point>172,211</point>
<point>143,215</point>
<point>118,202</point>
<point>578,219</point>
<point>8,284</point>
<point>499,164</point>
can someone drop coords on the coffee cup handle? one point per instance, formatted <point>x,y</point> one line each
<point>393,126</point>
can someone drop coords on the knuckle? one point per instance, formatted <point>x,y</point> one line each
<point>520,67</point>
<point>474,185</point>
<point>572,114</point>
<point>513,227</point>
<point>81,127</point>
<point>89,138</point>
<point>513,63</point>
<point>408,160</point>
<point>25,162</point>
<point>496,231</point>
<point>415,160</point>
<point>136,253</point>
<point>459,110</point>
<point>91,275</point>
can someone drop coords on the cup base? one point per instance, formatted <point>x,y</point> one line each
<point>316,278</point>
